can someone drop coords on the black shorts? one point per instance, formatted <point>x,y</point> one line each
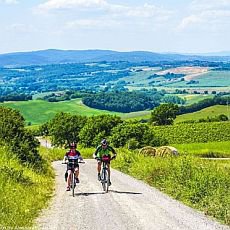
<point>71,165</point>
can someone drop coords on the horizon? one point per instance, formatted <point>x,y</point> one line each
<point>218,53</point>
<point>159,26</point>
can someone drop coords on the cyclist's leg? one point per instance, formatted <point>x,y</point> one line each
<point>108,166</point>
<point>68,179</point>
<point>99,169</point>
<point>76,172</point>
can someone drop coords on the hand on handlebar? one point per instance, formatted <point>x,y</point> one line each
<point>113,157</point>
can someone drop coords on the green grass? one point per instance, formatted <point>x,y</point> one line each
<point>23,192</point>
<point>211,111</point>
<point>214,78</point>
<point>39,111</point>
<point>194,98</point>
<point>210,149</point>
<point>201,184</point>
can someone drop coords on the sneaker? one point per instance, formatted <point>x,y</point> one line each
<point>99,177</point>
<point>77,180</point>
<point>68,188</point>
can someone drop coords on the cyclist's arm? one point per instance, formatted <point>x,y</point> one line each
<point>96,152</point>
<point>113,151</point>
<point>79,156</point>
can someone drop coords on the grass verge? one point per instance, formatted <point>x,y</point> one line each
<point>201,184</point>
<point>23,192</point>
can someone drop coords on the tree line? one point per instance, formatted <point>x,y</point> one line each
<point>121,101</point>
<point>217,100</point>
<point>65,128</point>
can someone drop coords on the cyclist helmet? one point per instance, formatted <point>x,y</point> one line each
<point>72,145</point>
<point>104,142</point>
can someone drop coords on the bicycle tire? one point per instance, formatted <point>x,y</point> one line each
<point>73,183</point>
<point>105,180</point>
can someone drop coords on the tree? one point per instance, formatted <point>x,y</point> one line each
<point>97,128</point>
<point>134,135</point>
<point>164,114</point>
<point>65,128</point>
<point>20,141</point>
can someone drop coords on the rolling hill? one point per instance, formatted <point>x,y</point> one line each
<point>54,56</point>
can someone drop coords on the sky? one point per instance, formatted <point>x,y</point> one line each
<point>175,26</point>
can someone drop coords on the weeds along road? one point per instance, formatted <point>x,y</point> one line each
<point>130,204</point>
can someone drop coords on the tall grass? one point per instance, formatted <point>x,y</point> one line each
<point>23,192</point>
<point>210,149</point>
<point>201,184</point>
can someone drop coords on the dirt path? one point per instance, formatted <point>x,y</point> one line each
<point>130,204</point>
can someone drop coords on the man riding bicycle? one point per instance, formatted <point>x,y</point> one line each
<point>104,150</point>
<point>71,157</point>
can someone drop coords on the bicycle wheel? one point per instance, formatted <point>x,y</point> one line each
<point>73,183</point>
<point>105,183</point>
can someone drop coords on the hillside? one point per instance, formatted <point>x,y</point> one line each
<point>53,56</point>
<point>211,111</point>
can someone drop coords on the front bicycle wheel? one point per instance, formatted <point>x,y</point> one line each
<point>73,183</point>
<point>105,181</point>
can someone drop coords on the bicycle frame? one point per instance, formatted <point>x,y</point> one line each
<point>72,178</point>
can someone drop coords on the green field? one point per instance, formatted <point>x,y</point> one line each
<point>194,98</point>
<point>211,111</point>
<point>210,149</point>
<point>38,111</point>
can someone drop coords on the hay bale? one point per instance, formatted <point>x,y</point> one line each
<point>165,151</point>
<point>148,151</point>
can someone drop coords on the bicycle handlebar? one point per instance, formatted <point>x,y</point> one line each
<point>81,162</point>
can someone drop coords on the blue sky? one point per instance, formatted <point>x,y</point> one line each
<point>182,26</point>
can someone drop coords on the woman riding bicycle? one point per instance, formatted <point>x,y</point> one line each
<point>71,157</point>
<point>104,150</point>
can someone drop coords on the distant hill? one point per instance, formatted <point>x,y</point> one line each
<point>53,56</point>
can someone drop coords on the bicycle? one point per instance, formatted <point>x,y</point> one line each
<point>72,163</point>
<point>105,179</point>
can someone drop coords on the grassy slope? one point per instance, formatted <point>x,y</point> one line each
<point>201,184</point>
<point>38,111</point>
<point>23,192</point>
<point>211,111</point>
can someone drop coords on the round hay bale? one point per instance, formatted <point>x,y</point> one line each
<point>148,151</point>
<point>165,151</point>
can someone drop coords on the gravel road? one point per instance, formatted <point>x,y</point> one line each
<point>130,204</point>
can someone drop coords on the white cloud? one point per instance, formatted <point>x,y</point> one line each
<point>9,1</point>
<point>114,10</point>
<point>190,20</point>
<point>68,4</point>
<point>200,5</point>
<point>207,15</point>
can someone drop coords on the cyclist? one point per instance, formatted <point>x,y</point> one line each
<point>73,154</point>
<point>104,150</point>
